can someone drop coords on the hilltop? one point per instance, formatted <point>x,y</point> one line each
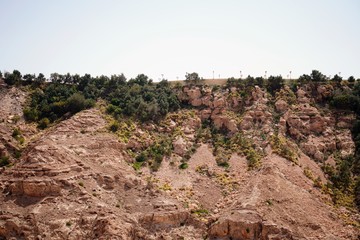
<point>110,158</point>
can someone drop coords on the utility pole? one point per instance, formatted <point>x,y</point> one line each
<point>290,75</point>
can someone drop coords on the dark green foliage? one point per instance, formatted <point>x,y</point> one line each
<point>193,78</point>
<point>114,126</point>
<point>16,132</point>
<point>1,75</point>
<point>303,79</point>
<point>274,84</point>
<point>44,123</point>
<point>317,76</point>
<point>351,79</point>
<point>142,99</point>
<point>223,164</point>
<point>336,79</point>
<point>341,177</point>
<point>31,114</point>
<point>4,161</point>
<point>29,78</point>
<point>13,78</point>
<point>77,102</point>
<point>17,154</point>
<point>155,153</point>
<point>142,157</point>
<point>183,165</point>
<point>346,102</point>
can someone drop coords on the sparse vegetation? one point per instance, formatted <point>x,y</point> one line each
<point>200,212</point>
<point>183,165</point>
<point>4,161</point>
<point>283,148</point>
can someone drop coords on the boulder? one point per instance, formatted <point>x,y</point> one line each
<point>180,146</point>
<point>281,105</point>
<point>164,220</point>
<point>246,224</point>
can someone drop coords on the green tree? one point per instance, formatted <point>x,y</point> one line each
<point>351,79</point>
<point>274,84</point>
<point>141,80</point>
<point>303,79</point>
<point>13,78</point>
<point>317,76</point>
<point>39,80</point>
<point>77,102</point>
<point>193,78</point>
<point>29,78</point>
<point>1,75</point>
<point>337,79</point>
<point>44,123</point>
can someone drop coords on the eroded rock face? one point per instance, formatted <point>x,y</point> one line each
<point>246,224</point>
<point>35,188</point>
<point>281,105</point>
<point>77,181</point>
<point>180,146</point>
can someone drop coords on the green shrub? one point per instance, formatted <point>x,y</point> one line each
<point>283,148</point>
<point>346,102</point>
<point>142,157</point>
<point>183,165</point>
<point>16,132</point>
<point>17,154</point>
<point>4,161</point>
<point>30,114</point>
<point>44,123</point>
<point>137,165</point>
<point>200,212</point>
<point>114,126</point>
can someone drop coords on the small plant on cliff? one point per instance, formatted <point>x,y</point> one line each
<point>137,166</point>
<point>200,212</point>
<point>183,165</point>
<point>283,148</point>
<point>114,126</point>
<point>4,161</point>
<point>44,123</point>
<point>16,132</point>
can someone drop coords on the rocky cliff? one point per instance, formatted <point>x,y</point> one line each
<point>262,180</point>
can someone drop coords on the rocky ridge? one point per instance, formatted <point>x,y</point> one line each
<point>76,180</point>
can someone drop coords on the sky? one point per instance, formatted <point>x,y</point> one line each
<point>163,38</point>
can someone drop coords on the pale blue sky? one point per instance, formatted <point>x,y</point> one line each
<point>157,37</point>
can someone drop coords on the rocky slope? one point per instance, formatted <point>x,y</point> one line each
<point>76,180</point>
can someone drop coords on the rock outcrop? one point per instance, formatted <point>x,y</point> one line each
<point>76,180</point>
